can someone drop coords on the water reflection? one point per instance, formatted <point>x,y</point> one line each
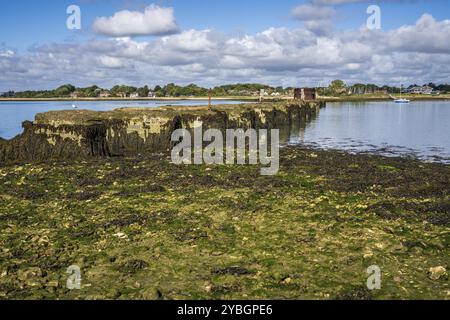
<point>418,130</point>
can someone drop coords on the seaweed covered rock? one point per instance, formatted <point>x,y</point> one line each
<point>138,131</point>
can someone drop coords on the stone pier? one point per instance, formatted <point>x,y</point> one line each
<point>127,132</point>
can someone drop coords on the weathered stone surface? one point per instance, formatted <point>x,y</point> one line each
<point>132,131</point>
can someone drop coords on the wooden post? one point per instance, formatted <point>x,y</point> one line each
<point>209,100</point>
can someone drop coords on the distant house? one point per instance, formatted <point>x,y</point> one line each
<point>263,93</point>
<point>104,94</point>
<point>244,93</point>
<point>134,95</point>
<point>122,94</point>
<point>75,95</point>
<point>420,90</point>
<point>151,94</point>
<point>305,94</point>
<point>275,94</point>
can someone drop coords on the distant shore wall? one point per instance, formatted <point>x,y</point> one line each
<point>78,134</point>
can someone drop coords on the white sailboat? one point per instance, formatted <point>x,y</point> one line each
<point>401,100</point>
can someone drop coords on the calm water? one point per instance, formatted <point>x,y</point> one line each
<point>12,114</point>
<point>419,129</point>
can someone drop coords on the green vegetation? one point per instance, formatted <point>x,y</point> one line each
<point>172,90</point>
<point>169,90</point>
<point>147,229</point>
<point>337,88</point>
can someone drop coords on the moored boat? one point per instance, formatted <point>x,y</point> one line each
<point>401,100</point>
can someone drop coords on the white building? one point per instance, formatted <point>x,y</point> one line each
<point>104,94</point>
<point>75,95</point>
<point>420,90</point>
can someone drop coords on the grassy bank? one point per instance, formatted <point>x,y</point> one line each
<point>147,229</point>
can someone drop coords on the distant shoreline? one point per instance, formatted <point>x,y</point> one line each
<point>355,98</point>
<point>363,98</point>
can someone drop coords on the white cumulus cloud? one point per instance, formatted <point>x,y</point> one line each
<point>155,20</point>
<point>111,62</point>
<point>416,53</point>
<point>6,53</point>
<point>427,35</point>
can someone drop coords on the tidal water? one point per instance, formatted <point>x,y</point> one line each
<point>420,129</point>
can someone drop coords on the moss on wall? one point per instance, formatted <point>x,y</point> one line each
<point>132,131</point>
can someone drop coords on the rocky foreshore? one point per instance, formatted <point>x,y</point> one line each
<point>137,226</point>
<point>144,228</point>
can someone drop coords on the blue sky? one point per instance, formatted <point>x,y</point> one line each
<point>25,23</point>
<point>34,32</point>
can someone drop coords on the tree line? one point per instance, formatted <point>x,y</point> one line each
<point>339,87</point>
<point>168,90</point>
<point>336,87</point>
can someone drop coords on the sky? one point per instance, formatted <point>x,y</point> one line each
<point>283,42</point>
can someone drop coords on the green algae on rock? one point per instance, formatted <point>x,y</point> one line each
<point>143,228</point>
<point>133,131</point>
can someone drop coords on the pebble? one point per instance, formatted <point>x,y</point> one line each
<point>287,281</point>
<point>52,284</point>
<point>152,294</point>
<point>29,274</point>
<point>121,235</point>
<point>437,273</point>
<point>209,287</point>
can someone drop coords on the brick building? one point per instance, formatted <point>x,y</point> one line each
<point>305,94</point>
